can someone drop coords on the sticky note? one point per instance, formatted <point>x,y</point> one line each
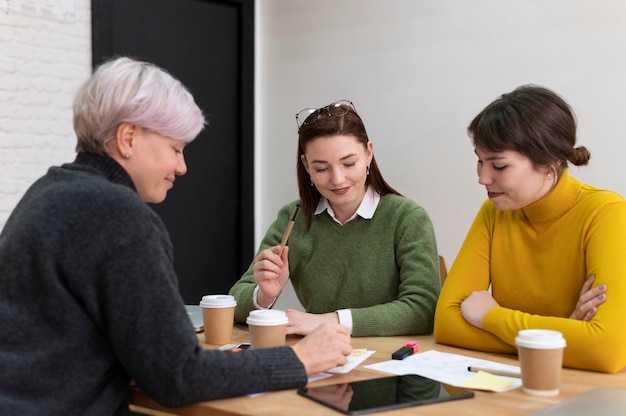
<point>357,352</point>
<point>486,381</point>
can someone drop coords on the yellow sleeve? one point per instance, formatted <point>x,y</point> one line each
<point>598,345</point>
<point>469,272</point>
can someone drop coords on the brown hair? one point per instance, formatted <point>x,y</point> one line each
<point>533,121</point>
<point>348,124</point>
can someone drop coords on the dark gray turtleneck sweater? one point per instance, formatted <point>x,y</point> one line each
<point>89,300</point>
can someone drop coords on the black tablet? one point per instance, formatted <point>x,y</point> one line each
<point>375,395</point>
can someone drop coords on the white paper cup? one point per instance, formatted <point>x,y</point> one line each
<point>218,314</point>
<point>267,328</point>
<point>541,360</point>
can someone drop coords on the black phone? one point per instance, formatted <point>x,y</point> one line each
<point>386,393</point>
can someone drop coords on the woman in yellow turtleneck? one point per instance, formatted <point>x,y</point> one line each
<point>545,250</point>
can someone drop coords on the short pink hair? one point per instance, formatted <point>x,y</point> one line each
<point>141,93</point>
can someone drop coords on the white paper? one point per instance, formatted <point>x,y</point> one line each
<point>443,367</point>
<point>353,361</point>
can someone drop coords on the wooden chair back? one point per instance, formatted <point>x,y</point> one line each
<point>443,269</point>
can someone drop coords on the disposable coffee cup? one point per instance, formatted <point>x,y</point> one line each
<point>541,360</point>
<point>218,314</point>
<point>267,328</point>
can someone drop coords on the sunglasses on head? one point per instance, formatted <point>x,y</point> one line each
<point>311,115</point>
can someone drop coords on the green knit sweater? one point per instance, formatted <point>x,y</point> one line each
<point>385,269</point>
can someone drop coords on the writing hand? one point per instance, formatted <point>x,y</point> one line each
<point>328,346</point>
<point>589,300</point>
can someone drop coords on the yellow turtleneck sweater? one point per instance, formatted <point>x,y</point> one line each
<point>536,260</point>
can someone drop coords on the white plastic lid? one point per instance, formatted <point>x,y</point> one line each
<point>218,301</point>
<point>267,317</point>
<point>542,339</point>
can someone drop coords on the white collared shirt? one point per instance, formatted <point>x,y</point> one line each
<point>366,209</point>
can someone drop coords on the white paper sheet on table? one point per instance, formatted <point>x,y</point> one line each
<point>443,367</point>
<point>356,358</point>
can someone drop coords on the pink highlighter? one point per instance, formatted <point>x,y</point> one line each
<point>409,348</point>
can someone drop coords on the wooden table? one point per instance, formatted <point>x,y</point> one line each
<point>288,402</point>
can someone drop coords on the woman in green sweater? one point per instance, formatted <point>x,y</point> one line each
<point>360,253</point>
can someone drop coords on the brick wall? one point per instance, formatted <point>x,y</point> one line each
<point>42,64</point>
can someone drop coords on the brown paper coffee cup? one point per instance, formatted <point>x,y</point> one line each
<point>541,360</point>
<point>218,313</point>
<point>267,328</point>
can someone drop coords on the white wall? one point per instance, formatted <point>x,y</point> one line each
<point>42,63</point>
<point>418,72</point>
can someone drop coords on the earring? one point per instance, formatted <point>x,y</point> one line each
<point>367,170</point>
<point>311,181</point>
<point>549,176</point>
<point>127,155</point>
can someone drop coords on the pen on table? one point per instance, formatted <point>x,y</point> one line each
<point>292,220</point>
<point>506,373</point>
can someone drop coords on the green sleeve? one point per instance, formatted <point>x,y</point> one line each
<point>417,260</point>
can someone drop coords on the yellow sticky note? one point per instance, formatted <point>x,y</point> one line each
<point>486,381</point>
<point>357,352</point>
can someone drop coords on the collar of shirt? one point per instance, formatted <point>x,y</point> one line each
<point>366,208</point>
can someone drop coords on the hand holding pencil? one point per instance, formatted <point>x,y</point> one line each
<point>271,267</point>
